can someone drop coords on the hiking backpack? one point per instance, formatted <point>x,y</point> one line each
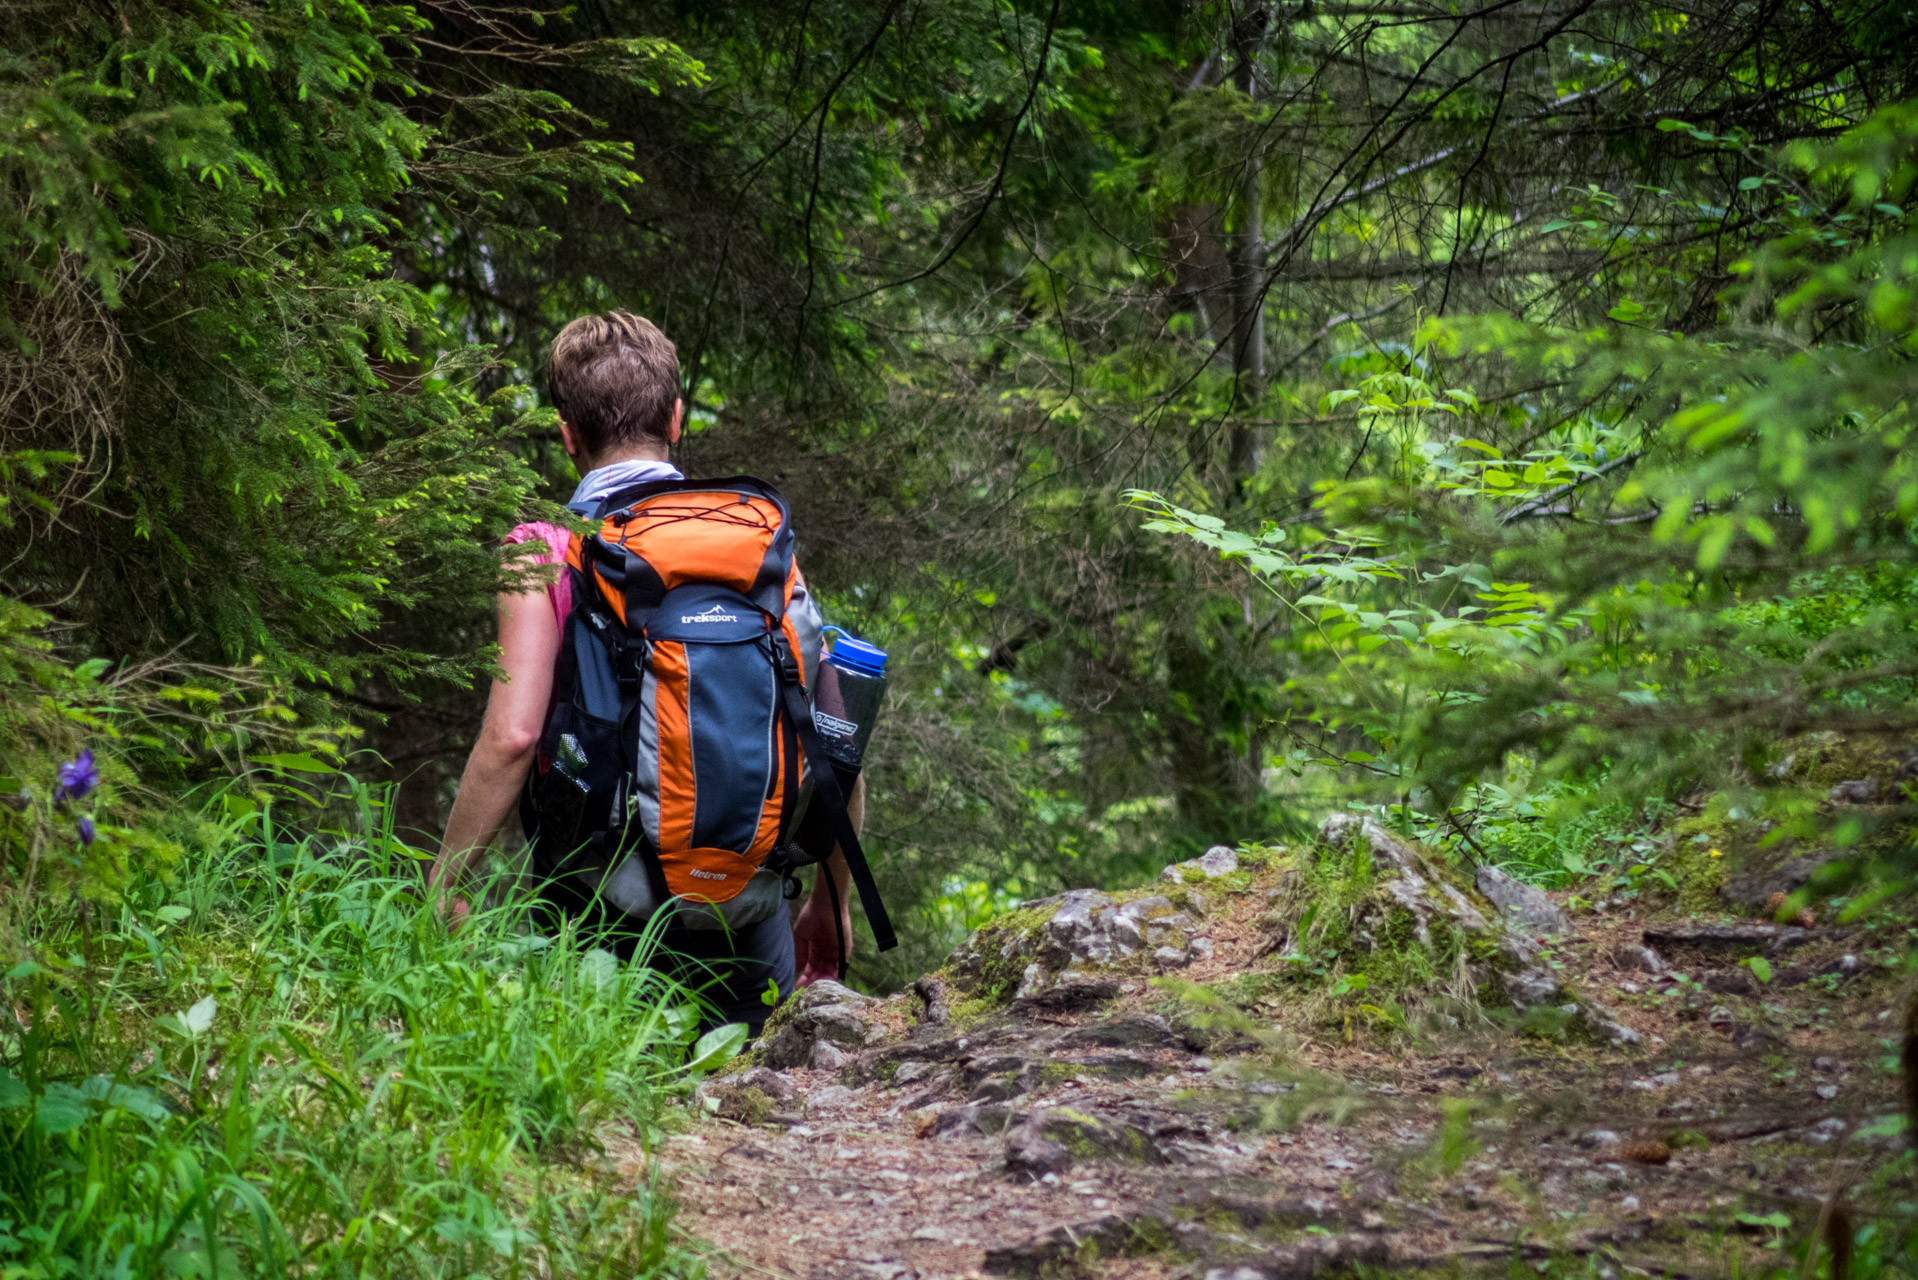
<point>681,731</point>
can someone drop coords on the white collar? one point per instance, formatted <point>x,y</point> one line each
<point>601,481</point>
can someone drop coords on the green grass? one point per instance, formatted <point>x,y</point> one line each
<point>277,1062</point>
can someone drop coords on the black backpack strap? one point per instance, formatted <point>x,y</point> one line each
<point>826,783</point>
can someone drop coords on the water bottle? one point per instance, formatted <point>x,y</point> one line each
<point>849,688</point>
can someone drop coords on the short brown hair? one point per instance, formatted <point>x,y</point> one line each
<point>614,378</point>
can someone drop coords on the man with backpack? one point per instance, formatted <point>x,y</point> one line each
<point>651,723</point>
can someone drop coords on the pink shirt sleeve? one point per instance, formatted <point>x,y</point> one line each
<point>556,540</point>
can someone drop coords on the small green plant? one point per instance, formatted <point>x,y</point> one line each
<point>1776,1222</point>
<point>1454,1144</point>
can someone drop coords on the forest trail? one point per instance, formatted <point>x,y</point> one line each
<point>1096,1130</point>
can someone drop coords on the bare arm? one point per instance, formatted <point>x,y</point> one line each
<point>515,713</point>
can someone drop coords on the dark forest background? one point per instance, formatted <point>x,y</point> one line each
<point>1541,368</point>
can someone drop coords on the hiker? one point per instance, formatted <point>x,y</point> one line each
<point>650,721</point>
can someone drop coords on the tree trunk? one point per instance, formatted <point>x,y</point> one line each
<point>1248,283</point>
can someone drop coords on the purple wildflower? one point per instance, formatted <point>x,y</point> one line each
<point>85,829</point>
<point>77,777</point>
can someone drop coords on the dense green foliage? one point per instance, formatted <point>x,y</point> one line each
<point>1446,297</point>
<point>1711,536</point>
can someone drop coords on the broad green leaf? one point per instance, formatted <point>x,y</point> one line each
<point>680,1022</point>
<point>127,1097</point>
<point>600,968</point>
<point>193,1022</point>
<point>61,1109</point>
<point>718,1047</point>
<point>199,1018</point>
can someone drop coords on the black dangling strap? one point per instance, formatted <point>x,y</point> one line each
<point>838,929</point>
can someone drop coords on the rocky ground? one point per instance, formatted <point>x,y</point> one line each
<point>1134,1086</point>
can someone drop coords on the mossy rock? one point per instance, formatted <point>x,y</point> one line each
<point>1072,938</point>
<point>1088,1137</point>
<point>1704,849</point>
<point>1820,762</point>
<point>988,966</point>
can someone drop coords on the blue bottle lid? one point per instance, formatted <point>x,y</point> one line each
<point>856,656</point>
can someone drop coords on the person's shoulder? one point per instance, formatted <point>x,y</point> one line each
<point>555,538</point>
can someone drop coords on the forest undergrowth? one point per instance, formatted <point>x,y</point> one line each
<point>276,1061</point>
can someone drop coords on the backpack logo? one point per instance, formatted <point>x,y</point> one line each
<point>715,614</point>
<point>707,875</point>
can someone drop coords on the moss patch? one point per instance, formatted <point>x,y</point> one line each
<point>1701,848</point>
<point>1089,1138</point>
<point>1822,761</point>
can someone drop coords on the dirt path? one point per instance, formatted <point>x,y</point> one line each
<point>1085,1132</point>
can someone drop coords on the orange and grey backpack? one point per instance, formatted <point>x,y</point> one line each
<point>681,735</point>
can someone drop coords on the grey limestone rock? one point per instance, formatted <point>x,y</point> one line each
<point>1210,865</point>
<point>1855,791</point>
<point>825,1014</point>
<point>1521,904</point>
<point>1638,959</point>
<point>1089,929</point>
<point>1429,899</point>
<point>1415,884</point>
<point>834,1097</point>
<point>1529,987</point>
